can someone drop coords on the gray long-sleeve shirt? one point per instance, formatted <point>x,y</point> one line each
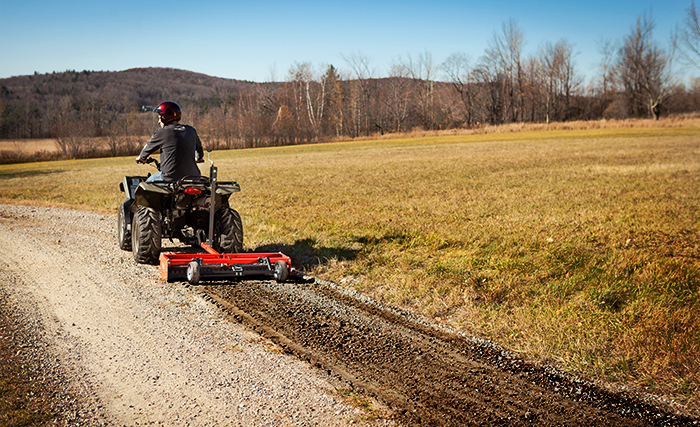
<point>180,149</point>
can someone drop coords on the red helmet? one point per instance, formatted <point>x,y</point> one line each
<point>168,112</point>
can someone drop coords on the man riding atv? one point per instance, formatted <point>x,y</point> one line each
<point>180,146</point>
<point>177,202</point>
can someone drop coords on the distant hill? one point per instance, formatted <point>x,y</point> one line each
<point>120,90</point>
<point>48,105</point>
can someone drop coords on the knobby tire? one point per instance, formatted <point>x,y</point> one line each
<point>146,236</point>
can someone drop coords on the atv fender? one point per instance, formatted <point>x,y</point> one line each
<point>128,214</point>
<point>151,195</point>
<point>128,187</point>
<point>227,188</point>
<point>224,191</point>
<point>129,184</point>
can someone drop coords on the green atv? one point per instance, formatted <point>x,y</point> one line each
<point>178,210</point>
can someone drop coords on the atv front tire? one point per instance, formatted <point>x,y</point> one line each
<point>122,228</point>
<point>146,235</point>
<point>228,233</point>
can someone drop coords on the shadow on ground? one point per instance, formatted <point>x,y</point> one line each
<point>306,255</point>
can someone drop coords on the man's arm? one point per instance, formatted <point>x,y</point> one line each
<point>199,151</point>
<point>151,147</point>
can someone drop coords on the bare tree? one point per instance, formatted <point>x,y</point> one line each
<point>603,87</point>
<point>399,96</point>
<point>307,100</point>
<point>116,138</point>
<point>225,97</point>
<point>393,100</point>
<point>459,71</point>
<point>423,72</point>
<point>687,39</point>
<point>491,83</point>
<point>558,78</point>
<point>359,93</point>
<point>504,58</point>
<point>70,131</point>
<point>607,49</point>
<point>256,109</point>
<point>534,104</point>
<point>333,122</point>
<point>644,70</point>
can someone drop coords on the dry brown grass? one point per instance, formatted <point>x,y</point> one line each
<point>28,146</point>
<point>36,150</point>
<point>578,247</point>
<point>688,120</point>
<point>582,251</point>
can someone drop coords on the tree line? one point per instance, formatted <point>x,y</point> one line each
<point>107,112</point>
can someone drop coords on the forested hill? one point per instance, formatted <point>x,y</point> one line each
<point>119,90</point>
<point>309,106</point>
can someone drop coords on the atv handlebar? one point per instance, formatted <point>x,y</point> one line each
<point>148,160</point>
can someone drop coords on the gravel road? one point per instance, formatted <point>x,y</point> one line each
<point>138,351</point>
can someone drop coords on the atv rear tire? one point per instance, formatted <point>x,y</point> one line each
<point>123,229</point>
<point>228,233</point>
<point>146,236</point>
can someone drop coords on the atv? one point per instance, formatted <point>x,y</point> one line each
<point>178,210</point>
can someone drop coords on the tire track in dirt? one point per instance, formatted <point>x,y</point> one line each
<point>428,375</point>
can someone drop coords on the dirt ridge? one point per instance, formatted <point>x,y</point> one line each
<point>429,374</point>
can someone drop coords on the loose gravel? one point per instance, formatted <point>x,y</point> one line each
<point>125,348</point>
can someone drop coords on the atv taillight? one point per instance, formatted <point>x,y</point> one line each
<point>192,191</point>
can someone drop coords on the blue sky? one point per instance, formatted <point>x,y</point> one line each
<point>262,39</point>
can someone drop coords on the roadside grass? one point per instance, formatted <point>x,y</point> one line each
<point>575,247</point>
<point>372,410</point>
<point>24,399</point>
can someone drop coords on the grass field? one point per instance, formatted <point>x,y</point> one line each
<point>574,247</point>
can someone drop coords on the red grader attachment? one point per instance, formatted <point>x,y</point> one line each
<point>217,266</point>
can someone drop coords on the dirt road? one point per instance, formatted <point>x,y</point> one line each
<point>140,351</point>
